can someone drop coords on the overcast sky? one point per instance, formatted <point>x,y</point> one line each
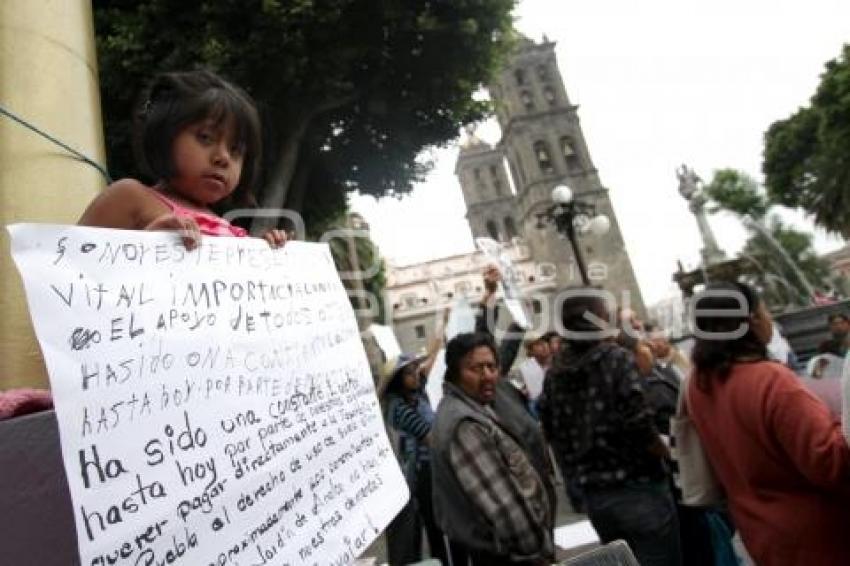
<point>658,83</point>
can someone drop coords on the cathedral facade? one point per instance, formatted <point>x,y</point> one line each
<point>507,186</point>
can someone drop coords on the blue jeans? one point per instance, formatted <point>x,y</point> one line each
<point>642,515</point>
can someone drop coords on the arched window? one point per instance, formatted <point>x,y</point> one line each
<point>493,230</point>
<point>549,95</point>
<point>497,186</point>
<point>519,75</point>
<point>510,227</point>
<point>570,155</point>
<point>543,72</point>
<point>541,152</point>
<point>527,100</point>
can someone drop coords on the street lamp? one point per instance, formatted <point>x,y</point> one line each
<point>572,217</point>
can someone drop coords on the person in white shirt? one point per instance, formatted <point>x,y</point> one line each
<point>533,369</point>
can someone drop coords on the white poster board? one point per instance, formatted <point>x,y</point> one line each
<point>434,385</point>
<point>461,318</point>
<point>575,534</point>
<point>214,406</point>
<point>495,254</point>
<point>387,342</point>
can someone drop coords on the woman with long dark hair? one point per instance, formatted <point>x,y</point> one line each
<point>775,448</point>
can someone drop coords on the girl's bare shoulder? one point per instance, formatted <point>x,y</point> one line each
<point>127,203</point>
<point>127,188</point>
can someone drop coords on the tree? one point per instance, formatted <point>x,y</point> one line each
<point>806,162</point>
<point>350,91</point>
<point>736,192</point>
<point>365,258</point>
<point>781,261</point>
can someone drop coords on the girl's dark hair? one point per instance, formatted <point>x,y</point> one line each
<point>723,308</point>
<point>460,346</point>
<point>173,101</point>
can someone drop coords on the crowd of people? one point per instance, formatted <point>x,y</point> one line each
<point>600,401</point>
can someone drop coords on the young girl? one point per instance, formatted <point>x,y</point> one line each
<point>200,137</point>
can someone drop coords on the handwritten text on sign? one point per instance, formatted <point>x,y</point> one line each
<point>215,407</point>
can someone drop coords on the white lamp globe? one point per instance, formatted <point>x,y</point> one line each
<point>562,194</point>
<point>600,225</point>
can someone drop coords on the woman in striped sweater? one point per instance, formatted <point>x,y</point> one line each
<point>409,417</point>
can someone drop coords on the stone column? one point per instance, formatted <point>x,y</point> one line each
<point>48,76</point>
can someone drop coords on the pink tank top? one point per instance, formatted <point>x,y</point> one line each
<point>210,224</point>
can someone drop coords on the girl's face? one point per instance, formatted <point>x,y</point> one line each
<point>207,161</point>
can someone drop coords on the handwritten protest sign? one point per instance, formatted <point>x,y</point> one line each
<point>215,407</point>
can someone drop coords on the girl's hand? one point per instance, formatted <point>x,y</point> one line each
<point>188,228</point>
<point>276,238</point>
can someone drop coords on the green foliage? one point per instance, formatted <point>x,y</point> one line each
<point>806,161</point>
<point>367,259</point>
<point>770,269</point>
<point>736,192</point>
<point>350,91</point>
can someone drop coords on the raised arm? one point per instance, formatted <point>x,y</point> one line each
<point>488,312</point>
<point>434,346</point>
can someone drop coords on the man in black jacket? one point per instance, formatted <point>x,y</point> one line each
<point>595,414</point>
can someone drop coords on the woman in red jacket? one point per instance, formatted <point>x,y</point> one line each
<point>775,447</point>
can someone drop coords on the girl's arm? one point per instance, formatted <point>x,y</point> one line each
<point>406,419</point>
<point>121,205</point>
<point>128,205</point>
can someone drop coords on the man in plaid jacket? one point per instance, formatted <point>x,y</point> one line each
<point>490,493</point>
